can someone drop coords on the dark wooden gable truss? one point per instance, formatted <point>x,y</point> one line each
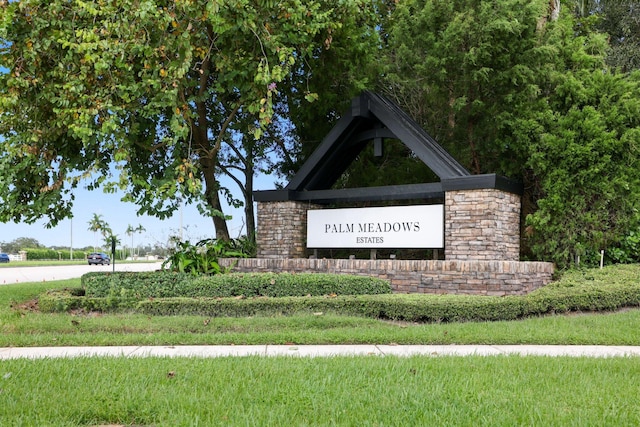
<point>373,117</point>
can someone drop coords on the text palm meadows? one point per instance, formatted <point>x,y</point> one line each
<point>371,228</point>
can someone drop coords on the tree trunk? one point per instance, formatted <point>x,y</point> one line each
<point>248,204</point>
<point>208,159</point>
<point>213,199</point>
<point>220,224</point>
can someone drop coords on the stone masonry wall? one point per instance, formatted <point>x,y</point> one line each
<point>482,245</point>
<point>482,225</point>
<point>282,230</point>
<point>422,276</point>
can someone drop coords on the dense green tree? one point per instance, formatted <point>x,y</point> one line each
<point>507,87</point>
<point>461,67</point>
<point>586,159</point>
<point>152,87</point>
<point>19,244</point>
<point>620,20</point>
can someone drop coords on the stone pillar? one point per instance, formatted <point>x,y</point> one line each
<point>282,229</point>
<point>482,225</point>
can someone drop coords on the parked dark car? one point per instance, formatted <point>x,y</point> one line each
<point>4,258</point>
<point>98,258</point>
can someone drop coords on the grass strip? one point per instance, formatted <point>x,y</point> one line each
<point>341,391</point>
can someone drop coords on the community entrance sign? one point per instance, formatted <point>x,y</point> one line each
<point>475,218</point>
<point>479,215</point>
<point>375,228</point>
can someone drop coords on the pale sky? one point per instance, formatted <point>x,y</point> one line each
<point>119,215</point>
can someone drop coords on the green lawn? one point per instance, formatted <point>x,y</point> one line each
<point>340,391</point>
<point>19,326</point>
<point>336,391</point>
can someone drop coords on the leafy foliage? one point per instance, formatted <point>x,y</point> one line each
<point>628,250</point>
<point>507,89</point>
<point>351,65</point>
<point>153,87</point>
<point>202,258</point>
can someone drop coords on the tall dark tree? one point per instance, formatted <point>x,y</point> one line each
<point>621,21</point>
<point>516,88</point>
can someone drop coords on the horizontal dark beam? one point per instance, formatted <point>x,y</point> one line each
<point>478,182</point>
<point>373,134</point>
<point>428,191</point>
<point>273,195</point>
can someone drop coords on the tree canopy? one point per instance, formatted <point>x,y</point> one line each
<point>620,21</point>
<point>151,87</point>
<point>16,245</point>
<point>507,87</point>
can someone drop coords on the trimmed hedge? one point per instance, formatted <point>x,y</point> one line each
<point>56,301</point>
<point>39,254</point>
<point>162,284</point>
<point>168,284</point>
<point>240,295</point>
<point>414,308</point>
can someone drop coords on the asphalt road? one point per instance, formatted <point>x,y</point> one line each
<point>11,275</point>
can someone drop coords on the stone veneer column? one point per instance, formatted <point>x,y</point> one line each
<point>482,225</point>
<point>282,229</point>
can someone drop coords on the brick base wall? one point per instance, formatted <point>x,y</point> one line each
<point>427,277</point>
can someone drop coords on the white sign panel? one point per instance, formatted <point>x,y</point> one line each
<point>372,228</point>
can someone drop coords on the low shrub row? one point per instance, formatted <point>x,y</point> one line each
<point>135,284</point>
<point>40,254</point>
<point>414,308</point>
<point>168,284</point>
<point>64,300</point>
